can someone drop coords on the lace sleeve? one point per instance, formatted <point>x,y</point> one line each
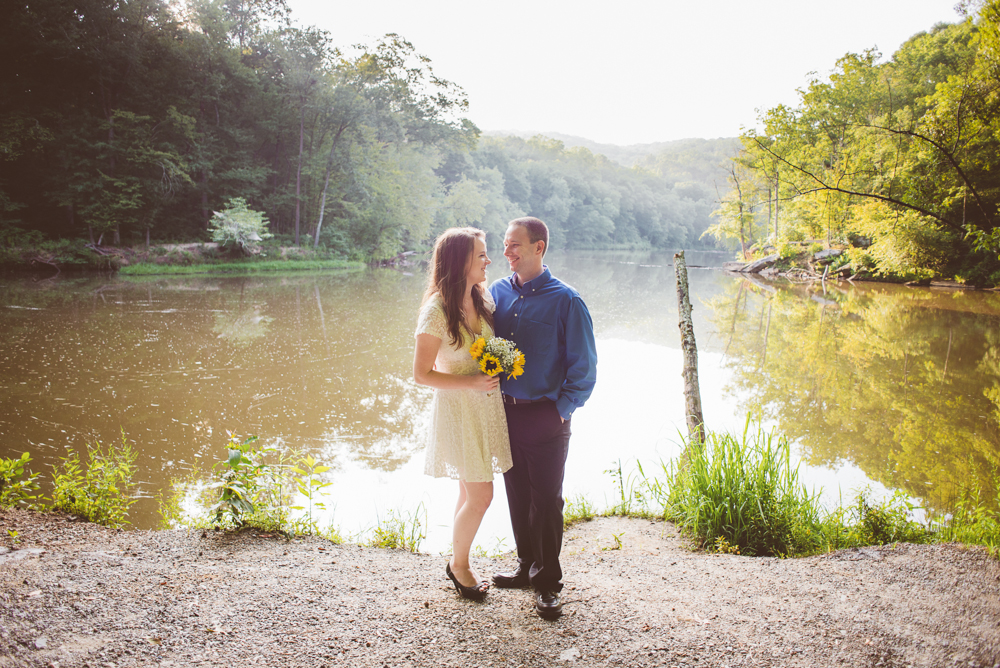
<point>431,319</point>
<point>491,305</point>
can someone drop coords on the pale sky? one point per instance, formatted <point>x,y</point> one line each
<point>632,71</point>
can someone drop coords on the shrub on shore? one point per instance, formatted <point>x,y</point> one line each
<point>741,494</point>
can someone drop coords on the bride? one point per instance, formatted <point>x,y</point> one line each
<point>468,435</point>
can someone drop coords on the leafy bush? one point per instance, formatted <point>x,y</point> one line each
<point>795,234</point>
<point>251,491</point>
<point>787,250</point>
<point>101,492</point>
<point>15,488</point>
<point>239,226</point>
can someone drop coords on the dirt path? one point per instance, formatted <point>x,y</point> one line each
<point>76,594</point>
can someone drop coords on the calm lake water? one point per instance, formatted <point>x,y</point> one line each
<point>877,385</point>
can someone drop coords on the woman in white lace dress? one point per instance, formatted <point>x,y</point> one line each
<point>468,435</point>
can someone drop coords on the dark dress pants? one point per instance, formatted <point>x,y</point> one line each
<point>539,444</point>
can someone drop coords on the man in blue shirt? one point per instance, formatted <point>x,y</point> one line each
<point>551,325</point>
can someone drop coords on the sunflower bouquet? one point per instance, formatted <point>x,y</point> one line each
<point>497,355</point>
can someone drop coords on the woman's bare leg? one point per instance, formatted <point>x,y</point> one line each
<point>461,498</point>
<point>477,498</point>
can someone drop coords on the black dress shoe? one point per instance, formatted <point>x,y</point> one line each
<point>548,605</point>
<point>516,580</point>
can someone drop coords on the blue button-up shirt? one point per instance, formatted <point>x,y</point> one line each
<point>548,322</point>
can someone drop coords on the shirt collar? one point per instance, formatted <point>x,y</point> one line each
<point>533,284</point>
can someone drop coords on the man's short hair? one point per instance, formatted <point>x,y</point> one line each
<point>537,230</point>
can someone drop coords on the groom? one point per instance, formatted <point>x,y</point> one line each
<point>551,325</point>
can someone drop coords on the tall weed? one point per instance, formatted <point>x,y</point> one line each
<point>100,489</point>
<point>399,531</point>
<point>975,518</point>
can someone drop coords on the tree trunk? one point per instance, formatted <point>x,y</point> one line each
<point>206,218</point>
<point>298,170</point>
<point>326,185</point>
<point>692,392</point>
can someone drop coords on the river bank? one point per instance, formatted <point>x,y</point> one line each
<point>76,257</point>
<point>77,594</point>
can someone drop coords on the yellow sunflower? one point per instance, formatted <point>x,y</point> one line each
<point>477,348</point>
<point>489,365</point>
<point>518,367</point>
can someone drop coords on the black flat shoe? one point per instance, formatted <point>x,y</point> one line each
<point>548,605</point>
<point>476,593</point>
<point>516,580</point>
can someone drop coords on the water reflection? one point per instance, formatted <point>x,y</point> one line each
<point>877,383</point>
<point>903,383</point>
<point>314,363</point>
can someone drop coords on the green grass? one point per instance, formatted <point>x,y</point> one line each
<point>972,521</point>
<point>743,490</point>
<point>237,267</point>
<point>398,532</point>
<point>740,494</point>
<point>578,509</point>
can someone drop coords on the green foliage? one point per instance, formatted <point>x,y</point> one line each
<point>498,551</point>
<point>864,523</point>
<point>587,200</point>
<point>633,499</point>
<point>903,152</point>
<point>255,488</point>
<point>618,542</point>
<point>251,492</point>
<point>578,509</point>
<point>975,519</point>
<point>787,250</point>
<point>745,491</point>
<point>902,383</point>
<point>239,226</point>
<point>16,487</point>
<point>100,489</point>
<point>239,267</point>
<point>310,485</point>
<point>399,531</point>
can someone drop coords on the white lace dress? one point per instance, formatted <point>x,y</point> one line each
<point>468,437</point>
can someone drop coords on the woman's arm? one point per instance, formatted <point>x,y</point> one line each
<point>424,373</point>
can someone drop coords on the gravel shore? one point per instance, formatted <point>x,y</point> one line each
<point>77,594</point>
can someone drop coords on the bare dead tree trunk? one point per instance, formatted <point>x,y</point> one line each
<point>326,185</point>
<point>692,392</point>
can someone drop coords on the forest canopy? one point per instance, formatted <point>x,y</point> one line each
<point>898,158</point>
<point>126,122</point>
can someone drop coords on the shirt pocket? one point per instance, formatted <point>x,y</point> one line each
<point>541,341</point>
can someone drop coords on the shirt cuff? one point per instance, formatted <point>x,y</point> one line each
<point>565,407</point>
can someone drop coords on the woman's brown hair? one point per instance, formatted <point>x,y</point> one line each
<point>449,267</point>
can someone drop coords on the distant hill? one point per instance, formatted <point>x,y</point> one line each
<point>721,148</point>
<point>694,168</point>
